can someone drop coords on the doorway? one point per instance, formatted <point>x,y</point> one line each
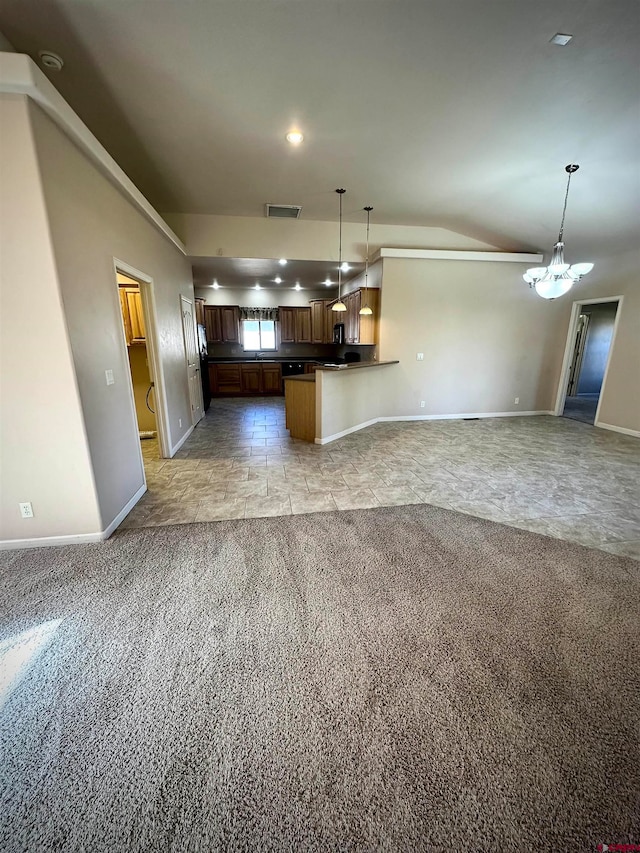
<point>135,291</point>
<point>589,343</point>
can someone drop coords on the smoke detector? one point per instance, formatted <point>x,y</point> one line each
<point>282,211</point>
<point>51,60</point>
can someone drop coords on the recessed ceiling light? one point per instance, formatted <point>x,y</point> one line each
<point>282,262</point>
<point>297,287</point>
<point>258,286</point>
<point>560,38</point>
<point>215,285</point>
<point>278,280</point>
<point>294,137</point>
<point>345,267</point>
<point>328,281</point>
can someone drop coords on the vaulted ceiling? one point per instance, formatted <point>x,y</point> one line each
<point>455,113</point>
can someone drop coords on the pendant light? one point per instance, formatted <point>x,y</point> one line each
<point>556,279</point>
<point>366,310</point>
<point>339,305</point>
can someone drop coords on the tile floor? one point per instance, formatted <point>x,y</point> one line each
<point>551,475</point>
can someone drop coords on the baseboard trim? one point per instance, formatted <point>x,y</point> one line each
<point>466,415</point>
<point>74,539</point>
<point>179,444</point>
<point>48,541</point>
<point>365,424</point>
<point>634,432</point>
<point>346,431</point>
<point>124,512</point>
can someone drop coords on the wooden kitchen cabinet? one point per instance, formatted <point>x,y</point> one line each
<point>303,325</point>
<point>213,324</point>
<point>132,316</point>
<point>287,319</point>
<point>323,320</point>
<point>250,379</point>
<point>331,317</point>
<point>199,310</point>
<point>271,379</point>
<point>230,324</point>
<point>225,379</point>
<point>251,375</point>
<point>318,333</point>
<point>222,323</point>
<point>295,325</point>
<point>361,328</point>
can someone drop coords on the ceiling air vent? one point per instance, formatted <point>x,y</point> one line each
<point>282,211</point>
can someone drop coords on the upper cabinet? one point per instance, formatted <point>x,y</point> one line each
<point>323,320</point>
<point>199,309</point>
<point>358,328</point>
<point>132,316</point>
<point>222,324</point>
<point>295,325</point>
<point>361,328</point>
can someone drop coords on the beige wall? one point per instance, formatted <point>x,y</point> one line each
<point>349,398</point>
<point>254,237</point>
<point>90,223</point>
<point>43,446</point>
<point>486,338</point>
<point>617,275</point>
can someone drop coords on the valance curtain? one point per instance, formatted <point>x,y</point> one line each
<point>258,313</point>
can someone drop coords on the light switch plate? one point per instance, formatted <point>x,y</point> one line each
<point>420,356</point>
<point>109,377</point>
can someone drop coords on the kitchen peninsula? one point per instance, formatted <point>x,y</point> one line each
<point>337,399</point>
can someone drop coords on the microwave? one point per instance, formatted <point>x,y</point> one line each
<point>338,333</point>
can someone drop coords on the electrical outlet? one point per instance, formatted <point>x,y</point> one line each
<point>516,400</point>
<point>179,422</point>
<point>109,377</point>
<point>419,356</point>
<point>26,510</point>
<point>422,404</point>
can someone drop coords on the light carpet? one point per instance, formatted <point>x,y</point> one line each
<point>398,679</point>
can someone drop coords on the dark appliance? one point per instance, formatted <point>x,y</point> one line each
<point>292,368</point>
<point>338,333</point>
<point>352,357</point>
<point>204,366</point>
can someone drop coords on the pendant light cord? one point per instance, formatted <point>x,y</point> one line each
<point>340,193</point>
<point>570,170</point>
<point>366,265</point>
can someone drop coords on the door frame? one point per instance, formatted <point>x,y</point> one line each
<point>147,295</point>
<point>568,351</point>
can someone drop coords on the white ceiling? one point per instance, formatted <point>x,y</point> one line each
<point>454,113</point>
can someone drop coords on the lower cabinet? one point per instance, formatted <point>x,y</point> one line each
<point>271,379</point>
<point>245,379</point>
<point>225,379</point>
<point>251,378</point>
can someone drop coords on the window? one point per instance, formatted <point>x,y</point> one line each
<point>258,335</point>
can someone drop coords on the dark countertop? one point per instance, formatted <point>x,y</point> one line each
<point>295,359</point>
<point>341,368</point>
<point>311,377</point>
<point>301,377</point>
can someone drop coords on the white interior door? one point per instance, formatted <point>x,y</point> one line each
<point>193,360</point>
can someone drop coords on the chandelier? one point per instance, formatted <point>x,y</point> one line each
<point>556,279</point>
<point>339,305</point>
